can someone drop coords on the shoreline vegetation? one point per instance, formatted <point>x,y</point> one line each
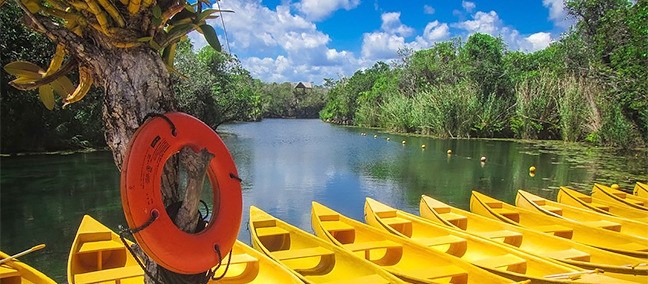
<point>589,86</point>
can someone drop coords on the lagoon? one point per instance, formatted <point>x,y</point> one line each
<point>286,164</point>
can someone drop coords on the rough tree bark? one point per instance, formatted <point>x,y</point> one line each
<point>136,83</point>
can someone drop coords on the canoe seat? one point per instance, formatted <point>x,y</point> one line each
<point>243,258</point>
<point>553,209</point>
<point>508,237</point>
<point>301,253</point>
<point>568,254</point>
<point>6,272</point>
<point>506,262</point>
<point>438,272</point>
<point>442,209</point>
<point>460,221</point>
<point>95,246</point>
<point>556,230</point>
<point>114,274</point>
<point>372,278</point>
<point>443,240</point>
<point>396,221</point>
<point>329,217</point>
<point>386,213</point>
<point>600,206</point>
<point>270,231</point>
<point>456,245</point>
<point>510,214</point>
<point>365,246</point>
<point>608,225</point>
<point>336,226</point>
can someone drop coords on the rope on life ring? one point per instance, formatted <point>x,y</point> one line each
<point>157,140</point>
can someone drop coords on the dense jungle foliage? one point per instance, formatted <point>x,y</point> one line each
<point>210,85</point>
<point>590,85</point>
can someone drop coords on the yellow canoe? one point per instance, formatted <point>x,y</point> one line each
<point>400,256</point>
<point>251,266</point>
<point>17,272</point>
<point>312,259</point>
<point>564,250</point>
<point>600,238</point>
<point>533,202</point>
<point>619,197</point>
<point>574,198</point>
<point>495,257</point>
<point>641,190</point>
<point>98,255</point>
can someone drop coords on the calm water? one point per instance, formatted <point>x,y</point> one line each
<point>286,164</point>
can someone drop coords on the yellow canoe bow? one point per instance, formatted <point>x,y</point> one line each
<point>564,250</point>
<point>533,202</point>
<point>574,198</point>
<point>98,256</point>
<point>619,197</point>
<point>605,239</point>
<point>498,258</point>
<point>312,259</point>
<point>641,190</point>
<point>400,256</point>
<point>15,271</point>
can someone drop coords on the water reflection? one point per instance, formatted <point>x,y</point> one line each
<point>287,164</point>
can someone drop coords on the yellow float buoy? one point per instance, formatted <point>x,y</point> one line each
<point>532,169</point>
<point>423,146</point>
<point>449,152</point>
<point>483,159</point>
<point>387,138</point>
<point>403,142</point>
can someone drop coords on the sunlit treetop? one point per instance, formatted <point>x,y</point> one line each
<point>85,29</point>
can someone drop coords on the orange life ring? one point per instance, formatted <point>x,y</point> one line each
<point>149,149</point>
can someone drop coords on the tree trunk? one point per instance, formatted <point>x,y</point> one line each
<point>136,84</point>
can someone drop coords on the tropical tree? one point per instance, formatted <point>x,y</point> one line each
<point>127,48</point>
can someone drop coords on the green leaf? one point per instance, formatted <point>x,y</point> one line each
<point>205,13</point>
<point>211,37</point>
<point>46,94</point>
<point>145,39</point>
<point>157,12</point>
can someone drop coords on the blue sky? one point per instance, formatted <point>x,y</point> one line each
<point>309,40</point>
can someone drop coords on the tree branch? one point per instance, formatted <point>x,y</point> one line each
<point>48,79</point>
<point>196,165</point>
<point>80,49</point>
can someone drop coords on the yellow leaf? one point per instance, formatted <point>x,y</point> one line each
<point>46,94</point>
<point>63,86</point>
<point>23,80</point>
<point>24,69</point>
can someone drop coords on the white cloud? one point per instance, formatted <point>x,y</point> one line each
<point>391,24</point>
<point>436,31</point>
<point>558,14</point>
<point>381,45</point>
<point>384,45</point>
<point>320,9</point>
<point>284,44</point>
<point>487,23</point>
<point>490,23</point>
<point>468,6</point>
<point>428,10</point>
<point>539,40</point>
